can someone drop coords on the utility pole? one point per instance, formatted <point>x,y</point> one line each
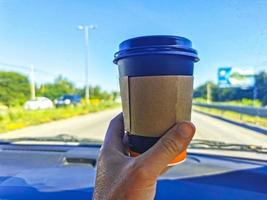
<point>209,97</point>
<point>255,95</point>
<point>85,29</point>
<point>32,82</point>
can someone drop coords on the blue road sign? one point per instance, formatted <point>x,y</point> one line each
<point>236,78</point>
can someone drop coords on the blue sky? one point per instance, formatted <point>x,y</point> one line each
<point>44,33</point>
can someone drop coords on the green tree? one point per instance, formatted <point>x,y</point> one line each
<point>54,90</point>
<point>201,91</point>
<point>106,96</point>
<point>96,92</point>
<point>14,88</point>
<point>115,95</point>
<point>261,83</point>
<point>229,94</point>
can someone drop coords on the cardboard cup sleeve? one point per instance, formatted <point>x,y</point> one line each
<point>153,104</point>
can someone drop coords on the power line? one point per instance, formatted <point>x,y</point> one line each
<point>14,66</point>
<point>28,68</point>
<point>35,70</point>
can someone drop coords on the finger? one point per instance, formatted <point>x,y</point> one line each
<point>168,147</point>
<point>114,135</point>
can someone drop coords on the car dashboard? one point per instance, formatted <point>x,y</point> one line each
<point>68,172</point>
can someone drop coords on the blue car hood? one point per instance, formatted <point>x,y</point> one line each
<point>199,177</point>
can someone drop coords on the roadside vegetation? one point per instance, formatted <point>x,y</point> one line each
<point>234,96</point>
<point>15,91</point>
<point>15,118</point>
<point>235,116</point>
<point>241,102</point>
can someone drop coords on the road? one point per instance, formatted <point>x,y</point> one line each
<point>94,126</point>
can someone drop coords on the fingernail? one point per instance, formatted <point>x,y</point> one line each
<point>186,129</point>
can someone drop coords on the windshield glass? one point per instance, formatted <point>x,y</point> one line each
<point>58,82</point>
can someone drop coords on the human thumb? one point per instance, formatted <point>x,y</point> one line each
<point>172,143</point>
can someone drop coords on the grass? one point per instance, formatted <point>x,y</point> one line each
<point>260,121</point>
<point>16,118</point>
<point>242,102</point>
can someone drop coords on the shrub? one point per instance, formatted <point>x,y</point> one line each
<point>18,117</point>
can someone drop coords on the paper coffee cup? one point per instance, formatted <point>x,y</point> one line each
<point>156,84</point>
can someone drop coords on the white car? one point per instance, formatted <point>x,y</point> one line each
<point>38,103</point>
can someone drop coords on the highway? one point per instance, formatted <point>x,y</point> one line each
<point>94,126</point>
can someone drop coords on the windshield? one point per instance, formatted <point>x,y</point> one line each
<point>59,55</point>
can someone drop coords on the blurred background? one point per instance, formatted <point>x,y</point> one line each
<point>56,63</point>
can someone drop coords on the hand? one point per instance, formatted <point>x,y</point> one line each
<point>122,177</point>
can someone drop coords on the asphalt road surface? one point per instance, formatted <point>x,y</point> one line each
<point>94,126</point>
